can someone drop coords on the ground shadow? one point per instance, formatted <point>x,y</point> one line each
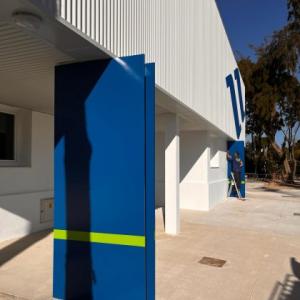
<point>289,288</point>
<point>268,189</point>
<point>10,251</point>
<point>72,92</point>
<point>285,194</point>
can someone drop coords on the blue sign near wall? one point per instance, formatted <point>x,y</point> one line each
<point>236,149</point>
<point>104,180</point>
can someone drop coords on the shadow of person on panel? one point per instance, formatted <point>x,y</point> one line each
<point>74,84</point>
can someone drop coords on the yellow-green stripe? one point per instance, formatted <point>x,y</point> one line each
<point>242,182</point>
<point>102,238</point>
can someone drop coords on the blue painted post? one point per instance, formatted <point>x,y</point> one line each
<point>104,180</point>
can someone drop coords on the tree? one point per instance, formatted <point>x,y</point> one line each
<point>254,126</point>
<point>273,91</point>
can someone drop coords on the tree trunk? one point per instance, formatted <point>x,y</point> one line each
<point>294,169</point>
<point>287,171</point>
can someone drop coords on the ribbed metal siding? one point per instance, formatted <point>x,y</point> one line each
<point>186,40</point>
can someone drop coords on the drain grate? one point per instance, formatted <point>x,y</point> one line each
<point>297,214</point>
<point>213,262</point>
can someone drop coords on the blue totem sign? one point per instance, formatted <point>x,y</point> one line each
<point>104,180</point>
<point>236,166</point>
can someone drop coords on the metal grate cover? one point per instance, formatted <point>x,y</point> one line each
<point>213,262</point>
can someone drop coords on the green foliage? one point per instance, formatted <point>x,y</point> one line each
<point>273,93</point>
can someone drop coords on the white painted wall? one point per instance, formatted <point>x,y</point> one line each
<point>203,182</point>
<point>194,156</point>
<point>160,169</point>
<point>21,188</point>
<point>172,174</point>
<point>217,170</point>
<point>185,38</point>
<point>203,170</point>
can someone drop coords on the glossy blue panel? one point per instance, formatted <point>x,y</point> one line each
<point>116,131</point>
<point>237,146</point>
<point>116,271</point>
<point>150,180</point>
<point>104,137</point>
<point>105,130</point>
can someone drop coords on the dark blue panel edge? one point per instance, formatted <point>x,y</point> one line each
<point>150,179</point>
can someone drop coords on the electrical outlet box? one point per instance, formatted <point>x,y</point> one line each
<point>46,210</point>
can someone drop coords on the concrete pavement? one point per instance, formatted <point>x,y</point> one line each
<point>258,239</point>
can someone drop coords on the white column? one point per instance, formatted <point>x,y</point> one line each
<point>172,163</point>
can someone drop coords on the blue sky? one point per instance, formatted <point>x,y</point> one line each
<point>250,21</point>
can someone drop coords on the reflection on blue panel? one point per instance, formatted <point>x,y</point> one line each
<point>116,131</point>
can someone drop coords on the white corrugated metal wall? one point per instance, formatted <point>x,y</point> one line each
<point>185,38</point>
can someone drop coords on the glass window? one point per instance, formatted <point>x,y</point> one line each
<point>7,136</point>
